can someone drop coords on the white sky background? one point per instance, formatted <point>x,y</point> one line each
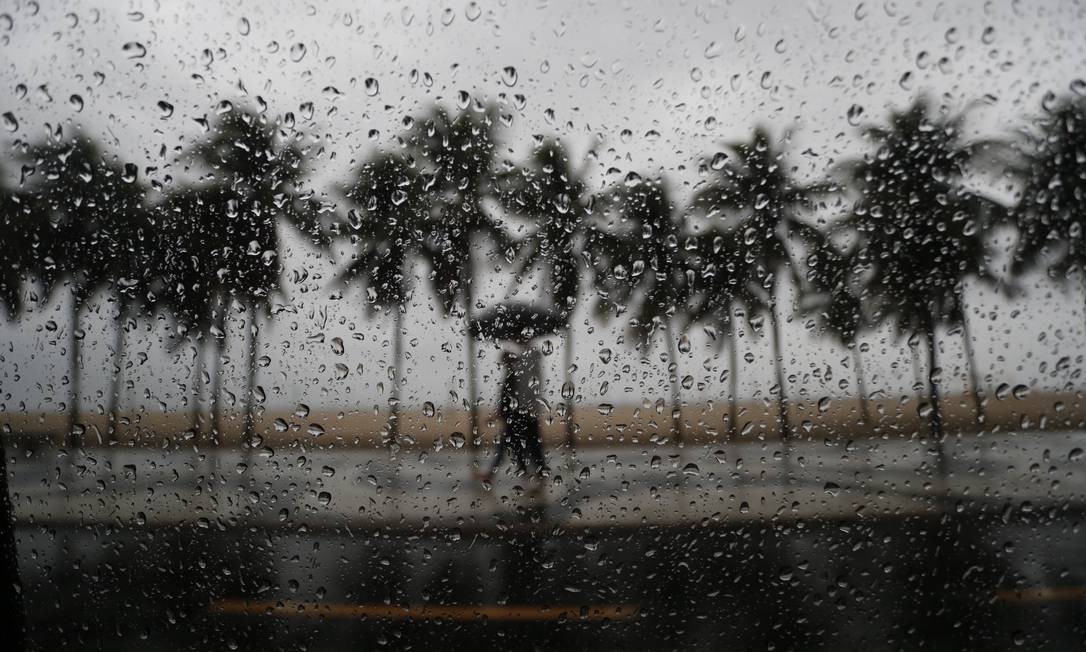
<point>696,73</point>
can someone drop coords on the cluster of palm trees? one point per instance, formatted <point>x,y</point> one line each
<point>80,222</point>
<point>891,237</point>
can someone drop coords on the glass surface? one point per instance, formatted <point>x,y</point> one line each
<point>542,325</point>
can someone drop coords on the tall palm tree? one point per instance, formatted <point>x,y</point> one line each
<point>555,194</point>
<point>459,154</point>
<point>722,291</point>
<point>920,230</point>
<point>386,227</point>
<point>134,285</point>
<point>92,202</point>
<point>17,257</point>
<point>258,167</point>
<point>1051,214</point>
<point>640,261</point>
<point>836,300</point>
<point>191,221</point>
<point>756,192</point>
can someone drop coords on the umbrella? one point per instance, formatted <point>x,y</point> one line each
<point>518,322</point>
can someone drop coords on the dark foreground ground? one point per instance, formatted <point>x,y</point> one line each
<point>833,546</point>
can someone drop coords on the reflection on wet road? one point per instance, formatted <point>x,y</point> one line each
<point>840,545</point>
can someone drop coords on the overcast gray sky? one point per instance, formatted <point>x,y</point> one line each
<point>647,87</point>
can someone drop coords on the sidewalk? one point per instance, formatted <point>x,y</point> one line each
<point>296,487</point>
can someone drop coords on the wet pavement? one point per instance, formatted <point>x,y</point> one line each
<point>831,545</point>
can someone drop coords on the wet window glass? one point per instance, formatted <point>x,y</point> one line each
<point>542,325</point>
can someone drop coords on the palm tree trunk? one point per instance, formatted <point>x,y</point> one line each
<point>936,419</point>
<point>12,616</point>
<point>918,382</point>
<point>778,363</point>
<point>250,376</point>
<point>733,379</point>
<point>119,341</point>
<point>397,361</point>
<point>469,315</point>
<point>971,364</point>
<point>673,379</point>
<point>73,438</point>
<point>219,347</point>
<point>861,384</point>
<point>197,388</point>
<point>569,356</point>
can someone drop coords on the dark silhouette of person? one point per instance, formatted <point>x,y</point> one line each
<point>518,407</point>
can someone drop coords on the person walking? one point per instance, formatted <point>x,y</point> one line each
<point>518,407</point>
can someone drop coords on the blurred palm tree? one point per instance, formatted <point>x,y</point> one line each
<point>460,151</point>
<point>93,205</point>
<point>386,228</point>
<point>257,167</point>
<point>835,298</point>
<point>756,192</point>
<point>921,230</point>
<point>135,285</point>
<point>16,247</point>
<point>639,256</point>
<point>1051,214</point>
<point>555,194</point>
<point>193,254</point>
<point>721,294</point>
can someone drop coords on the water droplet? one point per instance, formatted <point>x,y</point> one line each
<point>853,114</point>
<point>509,76</point>
<point>428,409</point>
<point>76,103</point>
<point>10,123</point>
<point>243,26</point>
<point>372,87</point>
<point>315,429</point>
<point>297,52</point>
<point>134,50</point>
<point>473,11</point>
<point>342,371</point>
